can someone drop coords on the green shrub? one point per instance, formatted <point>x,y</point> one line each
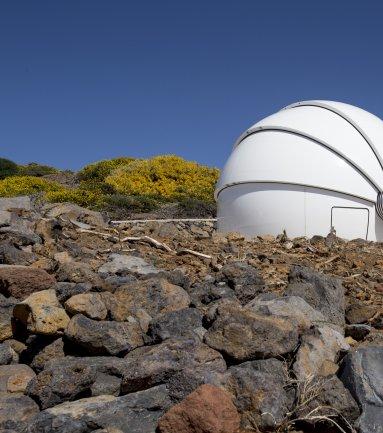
<point>79,196</point>
<point>7,168</point>
<point>169,177</point>
<point>26,185</point>
<point>125,204</point>
<point>194,208</point>
<point>34,169</point>
<point>98,171</point>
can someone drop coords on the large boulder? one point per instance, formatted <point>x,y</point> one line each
<point>319,353</point>
<point>119,263</point>
<point>323,292</point>
<point>151,365</point>
<point>155,296</point>
<point>259,391</point>
<point>42,313</point>
<point>65,289</point>
<point>16,412</point>
<point>104,337</point>
<point>6,312</point>
<point>69,378</point>
<point>43,350</point>
<point>180,323</point>
<point>89,304</point>
<point>243,335</point>
<point>133,413</point>
<point>292,307</point>
<point>362,374</point>
<point>15,203</point>
<point>208,409</point>
<point>244,279</point>
<point>21,281</point>
<point>15,378</point>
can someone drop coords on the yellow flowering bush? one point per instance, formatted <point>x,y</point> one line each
<point>79,196</point>
<point>98,171</point>
<point>168,176</point>
<point>26,185</point>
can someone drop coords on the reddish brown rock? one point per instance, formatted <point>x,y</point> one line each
<point>21,281</point>
<point>208,409</point>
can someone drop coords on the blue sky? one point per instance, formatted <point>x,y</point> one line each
<point>84,80</point>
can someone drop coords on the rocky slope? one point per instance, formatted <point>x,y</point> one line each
<point>172,327</point>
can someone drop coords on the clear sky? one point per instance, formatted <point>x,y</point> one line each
<point>83,80</point>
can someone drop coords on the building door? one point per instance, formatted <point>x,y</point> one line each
<point>350,222</point>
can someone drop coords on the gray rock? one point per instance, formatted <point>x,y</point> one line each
<point>70,378</point>
<point>319,352</point>
<point>331,399</point>
<point>5,218</point>
<point>133,413</point>
<point>292,307</point>
<point>119,263</point>
<point>180,323</point>
<point>70,211</point>
<point>7,354</point>
<point>324,293</point>
<point>151,365</point>
<point>16,412</point>
<point>104,337</point>
<point>260,396</point>
<point>6,312</point>
<point>10,255</point>
<point>362,374</point>
<point>43,350</point>
<point>244,279</point>
<point>10,203</point>
<point>243,335</point>
<point>64,290</point>
<point>205,294</point>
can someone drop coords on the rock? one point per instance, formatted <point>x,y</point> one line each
<point>78,272</point>
<point>208,409</point>
<point>64,290</point>
<point>242,335</point>
<point>10,255</point>
<point>121,263</point>
<point>180,323</point>
<point>359,312</point>
<point>5,218</point>
<point>16,412</point>
<point>362,375</point>
<point>330,399</point>
<point>70,211</point>
<point>322,292</point>
<point>7,354</point>
<point>292,307</point>
<point>244,279</point>
<point>151,365</point>
<point>204,294</point>
<point>155,296</point>
<point>319,352</point>
<point>260,397</point>
<point>358,332</point>
<point>15,203</point>
<point>41,313</point>
<point>70,378</point>
<point>15,377</point>
<point>133,413</point>
<point>49,229</point>
<point>6,310</point>
<point>21,281</point>
<point>89,304</point>
<point>44,352</point>
<point>104,337</point>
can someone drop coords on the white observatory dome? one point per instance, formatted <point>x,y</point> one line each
<point>312,166</point>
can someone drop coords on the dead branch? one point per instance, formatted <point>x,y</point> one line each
<point>194,253</point>
<point>149,240</point>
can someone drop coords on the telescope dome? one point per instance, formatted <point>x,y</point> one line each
<point>309,168</point>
